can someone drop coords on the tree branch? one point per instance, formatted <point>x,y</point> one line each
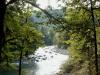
<point>9,40</point>
<point>48,14</point>
<point>96,8</point>
<point>11,2</point>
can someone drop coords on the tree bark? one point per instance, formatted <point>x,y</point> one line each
<point>2,33</point>
<point>95,40</point>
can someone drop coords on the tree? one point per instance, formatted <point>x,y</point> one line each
<point>21,37</point>
<point>82,41</point>
<point>95,38</point>
<point>2,33</point>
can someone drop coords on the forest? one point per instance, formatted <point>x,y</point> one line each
<point>72,26</point>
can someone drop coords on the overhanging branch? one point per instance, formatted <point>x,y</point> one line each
<point>11,2</point>
<point>48,14</point>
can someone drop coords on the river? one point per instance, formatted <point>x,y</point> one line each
<point>47,62</point>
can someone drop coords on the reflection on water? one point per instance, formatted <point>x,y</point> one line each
<point>48,62</point>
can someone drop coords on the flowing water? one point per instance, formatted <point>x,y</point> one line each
<point>47,62</point>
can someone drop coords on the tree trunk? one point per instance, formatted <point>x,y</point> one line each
<point>20,62</point>
<point>89,59</point>
<point>2,33</point>
<point>95,40</point>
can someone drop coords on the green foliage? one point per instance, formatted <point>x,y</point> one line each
<point>76,44</point>
<point>81,38</point>
<point>20,33</point>
<point>98,39</point>
<point>59,39</point>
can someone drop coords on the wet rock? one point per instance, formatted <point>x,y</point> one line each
<point>37,60</point>
<point>55,54</point>
<point>44,55</point>
<point>40,56</point>
<point>46,51</point>
<point>50,52</point>
<point>52,56</point>
<point>44,58</point>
